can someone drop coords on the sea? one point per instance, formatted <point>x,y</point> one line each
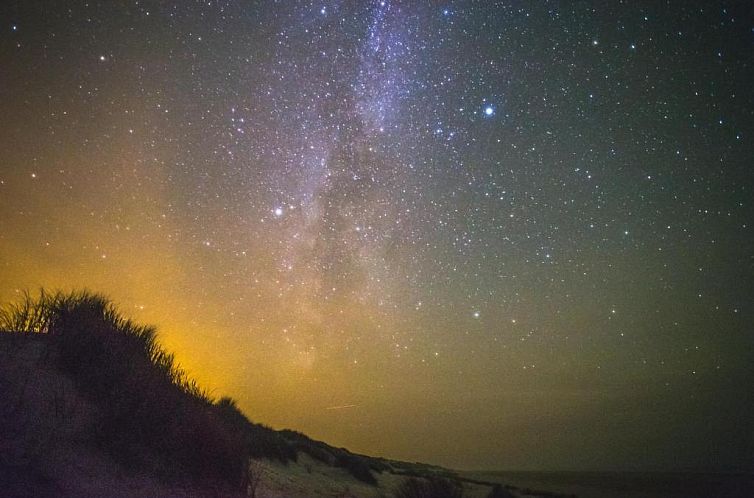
<point>628,484</point>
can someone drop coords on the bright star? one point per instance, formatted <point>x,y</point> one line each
<point>278,211</point>
<point>489,110</point>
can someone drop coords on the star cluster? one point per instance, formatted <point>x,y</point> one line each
<point>472,233</point>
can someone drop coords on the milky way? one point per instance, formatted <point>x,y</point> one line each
<point>482,234</point>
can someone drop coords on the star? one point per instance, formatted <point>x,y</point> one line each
<point>319,181</point>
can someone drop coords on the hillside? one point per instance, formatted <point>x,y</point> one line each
<point>93,406</point>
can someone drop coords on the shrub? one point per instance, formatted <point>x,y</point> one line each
<point>498,491</point>
<point>260,441</point>
<point>429,488</point>
<point>357,467</point>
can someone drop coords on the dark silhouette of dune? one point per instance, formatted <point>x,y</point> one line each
<point>94,406</point>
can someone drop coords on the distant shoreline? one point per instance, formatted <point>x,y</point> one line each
<point>629,484</point>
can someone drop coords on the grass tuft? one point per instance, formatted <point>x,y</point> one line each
<point>153,416</point>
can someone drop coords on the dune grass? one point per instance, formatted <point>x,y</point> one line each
<point>154,417</point>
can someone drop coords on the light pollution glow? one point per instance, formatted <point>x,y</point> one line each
<point>484,236</point>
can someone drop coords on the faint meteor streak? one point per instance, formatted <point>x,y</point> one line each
<point>340,407</point>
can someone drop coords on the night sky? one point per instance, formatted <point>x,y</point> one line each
<point>500,235</point>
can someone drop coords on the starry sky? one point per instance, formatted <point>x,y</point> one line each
<point>496,235</point>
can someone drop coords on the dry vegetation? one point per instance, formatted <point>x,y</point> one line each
<point>93,405</point>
